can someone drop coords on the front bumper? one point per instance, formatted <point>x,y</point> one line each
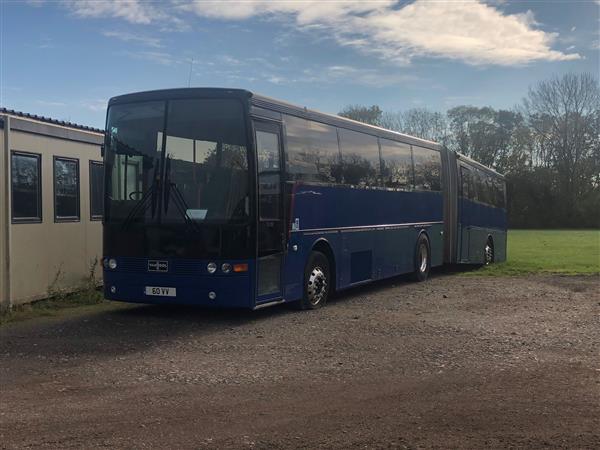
<point>128,281</point>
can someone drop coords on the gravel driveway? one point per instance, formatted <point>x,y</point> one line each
<point>467,362</point>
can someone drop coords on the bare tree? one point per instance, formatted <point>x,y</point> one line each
<point>366,114</point>
<point>419,122</point>
<point>564,116</point>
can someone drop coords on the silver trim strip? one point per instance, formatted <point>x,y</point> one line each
<point>367,227</point>
<point>267,304</point>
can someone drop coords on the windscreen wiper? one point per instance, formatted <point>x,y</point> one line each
<point>142,205</point>
<point>178,199</point>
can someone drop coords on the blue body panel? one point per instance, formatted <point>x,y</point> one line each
<point>372,233</point>
<point>478,222</point>
<point>189,277</point>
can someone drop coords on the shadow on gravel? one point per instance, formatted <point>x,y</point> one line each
<point>132,328</point>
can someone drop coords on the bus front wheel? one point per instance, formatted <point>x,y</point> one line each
<point>422,259</point>
<point>317,281</point>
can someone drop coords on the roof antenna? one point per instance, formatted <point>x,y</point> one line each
<point>190,75</point>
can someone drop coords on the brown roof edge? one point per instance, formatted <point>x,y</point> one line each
<point>63,123</point>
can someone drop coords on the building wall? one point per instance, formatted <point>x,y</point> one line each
<point>51,256</point>
<point>3,218</point>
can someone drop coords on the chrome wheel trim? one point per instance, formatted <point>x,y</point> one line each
<point>488,254</point>
<point>424,255</point>
<point>317,286</point>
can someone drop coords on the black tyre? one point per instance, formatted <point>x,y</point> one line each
<point>422,259</point>
<point>488,253</point>
<point>317,282</point>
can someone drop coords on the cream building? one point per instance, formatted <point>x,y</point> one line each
<point>50,206</point>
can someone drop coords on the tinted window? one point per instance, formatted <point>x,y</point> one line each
<point>499,189</point>
<point>66,189</point>
<point>465,176</point>
<point>96,189</point>
<point>427,165</point>
<point>312,150</point>
<point>26,187</point>
<point>267,149</point>
<point>481,188</point>
<point>207,161</point>
<point>360,158</point>
<point>396,165</point>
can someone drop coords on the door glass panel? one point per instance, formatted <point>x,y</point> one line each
<point>267,151</point>
<point>270,224</point>
<point>267,145</point>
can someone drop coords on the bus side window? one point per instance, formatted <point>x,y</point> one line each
<point>465,176</point>
<point>299,162</point>
<point>396,165</point>
<point>428,165</point>
<point>483,191</point>
<point>312,151</point>
<point>498,193</point>
<point>360,158</point>
<point>323,144</point>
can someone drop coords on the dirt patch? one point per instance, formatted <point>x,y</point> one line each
<point>456,362</point>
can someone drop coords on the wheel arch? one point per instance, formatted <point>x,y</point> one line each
<point>323,245</point>
<point>423,232</point>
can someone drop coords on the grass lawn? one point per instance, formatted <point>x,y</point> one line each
<point>568,252</point>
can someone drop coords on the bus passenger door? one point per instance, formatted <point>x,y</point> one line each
<point>271,237</point>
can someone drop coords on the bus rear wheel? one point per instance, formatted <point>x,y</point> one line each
<point>488,253</point>
<point>422,259</point>
<point>317,281</point>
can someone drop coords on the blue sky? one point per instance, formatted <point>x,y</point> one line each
<point>65,59</point>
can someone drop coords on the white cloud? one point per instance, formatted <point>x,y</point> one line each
<point>339,74</point>
<point>471,31</point>
<point>133,11</point>
<point>141,12</point>
<point>131,37</point>
<point>95,105</point>
<point>162,58</point>
<point>365,77</point>
<point>50,103</point>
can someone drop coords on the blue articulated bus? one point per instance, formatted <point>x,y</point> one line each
<point>225,198</point>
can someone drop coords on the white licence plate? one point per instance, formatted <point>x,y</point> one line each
<point>161,291</point>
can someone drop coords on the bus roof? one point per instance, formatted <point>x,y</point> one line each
<point>280,106</point>
<point>472,162</point>
<point>332,119</point>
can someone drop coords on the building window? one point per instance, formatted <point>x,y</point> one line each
<point>66,189</point>
<point>26,187</point>
<point>96,190</point>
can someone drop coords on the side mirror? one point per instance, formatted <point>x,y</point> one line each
<point>102,150</point>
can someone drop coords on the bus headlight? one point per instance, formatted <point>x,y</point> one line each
<point>226,267</point>
<point>211,267</point>
<point>112,264</point>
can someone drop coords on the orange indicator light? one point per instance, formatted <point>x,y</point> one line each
<point>240,267</point>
